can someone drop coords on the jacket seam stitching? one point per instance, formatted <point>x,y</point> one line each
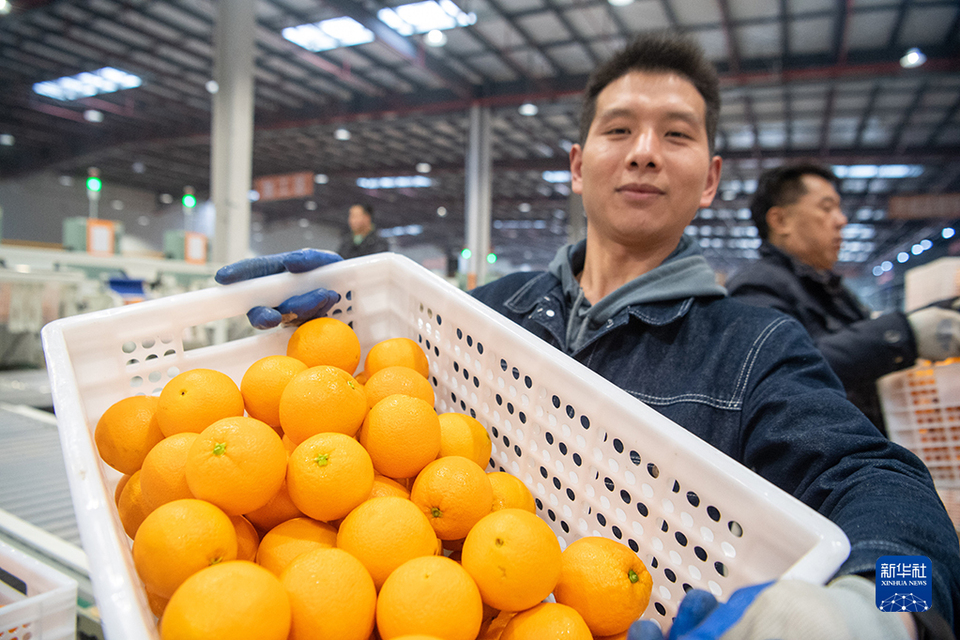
<point>751,359</point>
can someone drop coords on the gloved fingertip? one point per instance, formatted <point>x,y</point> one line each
<point>308,259</point>
<point>696,605</point>
<point>264,317</point>
<point>644,630</point>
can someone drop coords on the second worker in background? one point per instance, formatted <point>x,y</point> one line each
<point>796,209</point>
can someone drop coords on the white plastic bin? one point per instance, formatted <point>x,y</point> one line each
<point>597,460</point>
<point>37,602</point>
<point>921,407</point>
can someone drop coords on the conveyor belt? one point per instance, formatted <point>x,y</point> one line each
<point>34,481</point>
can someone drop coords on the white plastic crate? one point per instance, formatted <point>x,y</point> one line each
<point>37,602</point>
<point>598,461</point>
<point>921,407</point>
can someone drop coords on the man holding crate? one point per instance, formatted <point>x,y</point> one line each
<point>637,303</point>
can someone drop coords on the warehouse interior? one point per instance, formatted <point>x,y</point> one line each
<point>390,103</point>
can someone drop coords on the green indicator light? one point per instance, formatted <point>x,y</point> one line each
<point>94,184</point>
<point>465,254</point>
<point>189,200</point>
<point>491,258</point>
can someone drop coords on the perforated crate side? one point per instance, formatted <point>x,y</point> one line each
<point>38,602</point>
<point>598,461</point>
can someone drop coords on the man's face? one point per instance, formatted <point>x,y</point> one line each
<point>645,168</point>
<point>358,220</point>
<point>809,229</point>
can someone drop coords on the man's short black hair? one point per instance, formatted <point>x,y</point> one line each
<point>367,208</point>
<point>782,186</point>
<point>661,52</point>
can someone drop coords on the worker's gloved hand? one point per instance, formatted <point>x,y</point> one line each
<point>936,331</point>
<point>293,310</point>
<point>787,610</point>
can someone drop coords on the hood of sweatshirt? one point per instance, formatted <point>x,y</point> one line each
<point>684,274</point>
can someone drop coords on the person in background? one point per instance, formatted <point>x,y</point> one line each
<point>363,239</point>
<point>796,209</point>
<point>637,302</point>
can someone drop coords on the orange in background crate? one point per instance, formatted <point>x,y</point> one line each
<point>931,436</point>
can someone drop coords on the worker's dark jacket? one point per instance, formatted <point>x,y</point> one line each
<point>750,382</point>
<point>859,349</point>
<point>371,243</point>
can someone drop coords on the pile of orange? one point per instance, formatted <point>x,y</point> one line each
<point>311,502</point>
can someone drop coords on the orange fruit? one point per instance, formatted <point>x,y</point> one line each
<point>328,475</point>
<point>397,379</point>
<point>178,539</point>
<point>431,595</point>
<point>321,399</point>
<point>236,600</point>
<point>383,533</point>
<point>509,492</point>
<point>263,383</point>
<point>279,509</point>
<point>401,434</point>
<point>163,477</point>
<point>547,620</point>
<point>332,596</point>
<point>514,557</point>
<point>237,464</point>
<point>396,351</point>
<point>325,341</point>
<point>605,582</point>
<point>384,486</point>
<point>289,539</point>
<point>195,399</point>
<point>454,493</point>
<point>616,636</point>
<point>156,603</point>
<point>126,431</point>
<point>463,435</point>
<point>121,483</point>
<point>493,629</point>
<point>247,538</point>
<point>131,506</point>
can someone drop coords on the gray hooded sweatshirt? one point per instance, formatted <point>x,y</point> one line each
<point>684,274</point>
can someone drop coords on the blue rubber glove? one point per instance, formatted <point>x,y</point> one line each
<point>787,610</point>
<point>296,309</point>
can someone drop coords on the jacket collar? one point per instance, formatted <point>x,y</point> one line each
<point>828,279</point>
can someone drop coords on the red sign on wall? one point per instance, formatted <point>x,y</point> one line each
<point>284,187</point>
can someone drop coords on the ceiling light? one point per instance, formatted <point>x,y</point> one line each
<point>87,84</point>
<point>421,17</point>
<point>143,221</point>
<point>304,223</point>
<point>620,3</point>
<point>435,38</point>
<point>528,109</point>
<point>321,178</point>
<point>912,58</point>
<point>341,134</point>
<point>166,198</point>
<point>423,167</point>
<point>394,182</point>
<point>524,207</point>
<point>138,167</point>
<point>92,115</point>
<point>329,34</point>
<point>556,176</point>
<point>947,233</point>
<point>5,7</point>
<point>310,205</point>
<point>212,86</point>
<point>253,195</point>
<point>441,211</point>
<point>6,140</point>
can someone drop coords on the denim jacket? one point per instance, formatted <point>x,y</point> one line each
<point>749,381</point>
